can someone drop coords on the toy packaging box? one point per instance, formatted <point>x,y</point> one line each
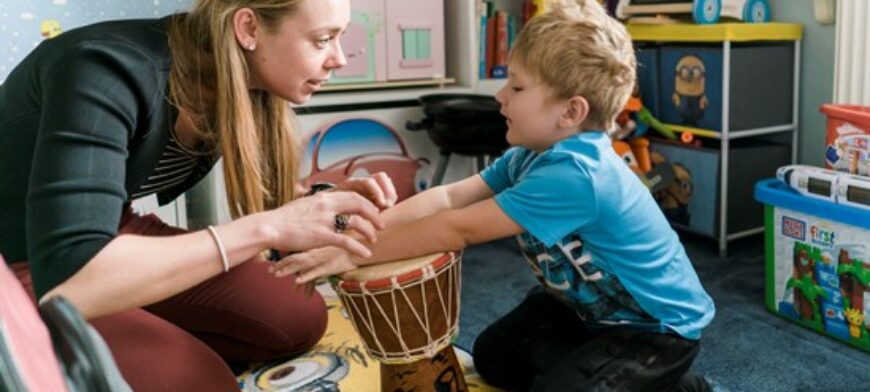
<point>817,263</point>
<point>847,141</point>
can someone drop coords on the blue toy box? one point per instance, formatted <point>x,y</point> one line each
<point>817,267</point>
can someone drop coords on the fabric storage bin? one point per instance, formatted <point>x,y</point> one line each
<point>761,85</point>
<point>648,76</point>
<point>692,203</point>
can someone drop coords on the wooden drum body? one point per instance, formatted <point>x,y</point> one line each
<point>407,312</point>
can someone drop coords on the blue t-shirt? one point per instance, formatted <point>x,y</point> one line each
<point>595,237</point>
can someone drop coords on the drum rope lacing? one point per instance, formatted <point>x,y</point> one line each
<point>433,346</point>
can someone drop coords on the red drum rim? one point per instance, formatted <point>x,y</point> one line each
<point>443,261</point>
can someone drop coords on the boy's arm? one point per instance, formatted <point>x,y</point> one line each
<point>456,195</point>
<point>447,230</point>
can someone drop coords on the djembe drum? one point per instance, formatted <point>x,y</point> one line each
<point>406,313</point>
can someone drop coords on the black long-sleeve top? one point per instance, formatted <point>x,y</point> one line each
<point>84,119</point>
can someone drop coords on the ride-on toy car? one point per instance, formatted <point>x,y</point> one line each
<point>702,11</point>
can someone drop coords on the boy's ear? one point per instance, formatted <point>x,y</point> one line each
<point>575,113</point>
<point>245,26</point>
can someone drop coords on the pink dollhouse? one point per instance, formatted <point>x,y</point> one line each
<point>393,40</point>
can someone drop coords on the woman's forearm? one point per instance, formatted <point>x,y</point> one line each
<point>134,271</point>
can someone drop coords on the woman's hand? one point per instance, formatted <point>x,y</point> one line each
<point>310,222</point>
<point>314,264</point>
<point>378,188</point>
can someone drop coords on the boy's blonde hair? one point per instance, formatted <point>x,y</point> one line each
<point>577,49</point>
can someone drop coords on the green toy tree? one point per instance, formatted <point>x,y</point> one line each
<point>854,280</point>
<point>809,291</point>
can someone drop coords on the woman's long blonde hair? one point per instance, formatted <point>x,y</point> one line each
<point>254,129</point>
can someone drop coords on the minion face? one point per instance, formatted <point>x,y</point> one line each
<point>49,28</point>
<point>690,77</point>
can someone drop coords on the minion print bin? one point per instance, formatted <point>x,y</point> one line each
<point>691,85</point>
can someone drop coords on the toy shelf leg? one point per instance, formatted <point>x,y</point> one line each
<point>726,145</point>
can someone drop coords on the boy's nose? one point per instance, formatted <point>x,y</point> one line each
<point>500,96</point>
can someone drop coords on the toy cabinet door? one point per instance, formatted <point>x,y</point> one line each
<point>415,39</point>
<point>354,43</point>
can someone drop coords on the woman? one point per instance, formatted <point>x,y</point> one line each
<point>114,111</point>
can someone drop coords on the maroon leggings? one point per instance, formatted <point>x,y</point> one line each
<point>183,342</point>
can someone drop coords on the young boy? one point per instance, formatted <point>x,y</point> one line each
<point>622,308</point>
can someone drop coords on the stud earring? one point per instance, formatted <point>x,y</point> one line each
<point>252,47</point>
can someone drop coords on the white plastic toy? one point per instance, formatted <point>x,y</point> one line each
<point>810,181</point>
<point>830,185</point>
<point>853,190</point>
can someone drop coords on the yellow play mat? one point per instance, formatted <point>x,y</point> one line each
<point>337,363</point>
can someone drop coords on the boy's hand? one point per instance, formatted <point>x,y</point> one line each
<point>313,264</point>
<point>378,188</point>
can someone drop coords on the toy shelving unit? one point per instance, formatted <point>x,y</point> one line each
<point>731,36</point>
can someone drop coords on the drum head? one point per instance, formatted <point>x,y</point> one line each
<point>380,275</point>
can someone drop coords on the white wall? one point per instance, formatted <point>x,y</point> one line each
<point>817,75</point>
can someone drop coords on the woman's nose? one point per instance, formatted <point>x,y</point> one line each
<point>337,60</point>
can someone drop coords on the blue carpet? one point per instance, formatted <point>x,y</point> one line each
<point>744,349</point>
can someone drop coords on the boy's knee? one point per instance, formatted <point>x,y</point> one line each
<point>484,347</point>
<point>691,382</point>
<point>495,362</point>
<point>482,352</point>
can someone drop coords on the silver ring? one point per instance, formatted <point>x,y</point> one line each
<point>341,222</point>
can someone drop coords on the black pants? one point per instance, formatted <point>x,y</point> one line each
<point>542,345</point>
